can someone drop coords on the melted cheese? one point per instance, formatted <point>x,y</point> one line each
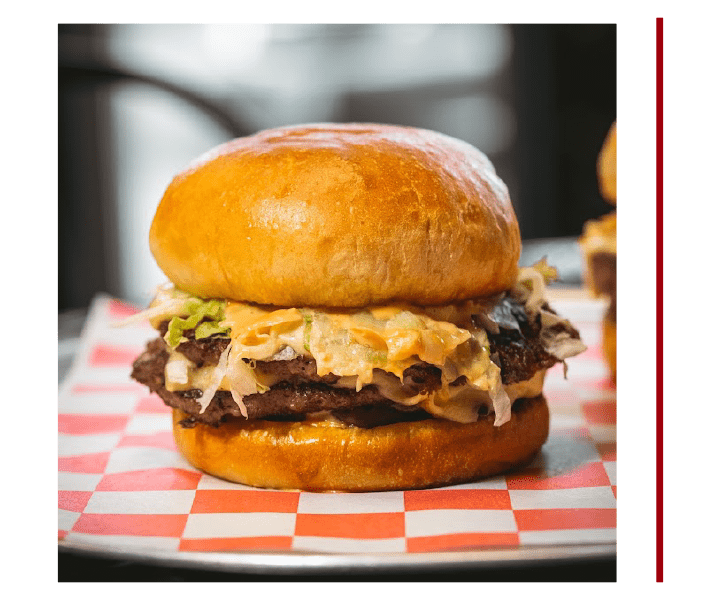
<point>460,403</point>
<point>371,346</point>
<point>355,343</point>
<point>367,347</point>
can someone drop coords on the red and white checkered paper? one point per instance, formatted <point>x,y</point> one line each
<point>122,483</point>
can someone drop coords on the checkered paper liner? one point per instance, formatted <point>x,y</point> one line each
<point>121,482</point>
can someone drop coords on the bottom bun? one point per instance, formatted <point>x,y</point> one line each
<point>610,347</point>
<point>326,455</point>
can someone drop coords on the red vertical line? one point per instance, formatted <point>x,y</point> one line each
<point>660,298</point>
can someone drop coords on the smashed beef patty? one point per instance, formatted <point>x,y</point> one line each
<point>294,397</point>
<point>514,345</point>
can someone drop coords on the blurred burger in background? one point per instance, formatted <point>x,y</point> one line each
<point>599,244</point>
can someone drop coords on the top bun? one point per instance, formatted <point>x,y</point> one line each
<point>339,216</point>
<point>607,166</point>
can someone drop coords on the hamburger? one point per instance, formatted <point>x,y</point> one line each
<point>599,244</point>
<point>345,311</point>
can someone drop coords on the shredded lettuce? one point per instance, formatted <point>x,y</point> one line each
<point>531,291</point>
<point>197,309</point>
<point>548,272</point>
<point>306,335</point>
<point>215,381</point>
<point>168,302</point>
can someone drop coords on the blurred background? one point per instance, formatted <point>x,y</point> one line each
<point>136,103</point>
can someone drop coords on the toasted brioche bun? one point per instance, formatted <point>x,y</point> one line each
<point>339,216</point>
<point>345,216</point>
<point>324,456</point>
<point>607,166</point>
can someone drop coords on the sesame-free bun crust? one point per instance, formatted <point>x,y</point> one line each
<point>339,216</point>
<point>607,166</point>
<point>325,457</point>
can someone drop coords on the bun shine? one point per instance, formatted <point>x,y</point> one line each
<point>339,216</point>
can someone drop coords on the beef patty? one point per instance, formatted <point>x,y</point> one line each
<point>514,345</point>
